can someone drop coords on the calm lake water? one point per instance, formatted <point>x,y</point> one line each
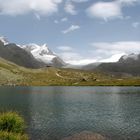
<point>53,113</point>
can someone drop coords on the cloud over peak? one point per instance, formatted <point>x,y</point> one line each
<point>113,50</point>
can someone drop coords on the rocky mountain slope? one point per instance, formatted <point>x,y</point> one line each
<point>44,54</point>
<point>30,56</point>
<point>14,53</point>
<point>129,64</point>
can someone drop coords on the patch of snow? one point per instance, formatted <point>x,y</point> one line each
<point>133,56</point>
<point>41,53</point>
<point>4,40</point>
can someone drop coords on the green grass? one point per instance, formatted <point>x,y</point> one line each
<point>12,136</point>
<point>12,127</point>
<point>11,74</point>
<point>11,122</point>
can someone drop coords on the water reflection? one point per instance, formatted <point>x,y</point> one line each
<point>53,113</point>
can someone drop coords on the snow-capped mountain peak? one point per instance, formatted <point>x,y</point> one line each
<point>43,54</point>
<point>4,40</point>
<point>132,56</point>
<point>38,50</point>
<point>45,50</point>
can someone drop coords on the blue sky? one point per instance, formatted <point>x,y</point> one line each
<point>80,31</point>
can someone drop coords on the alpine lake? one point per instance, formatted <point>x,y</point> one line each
<point>57,112</point>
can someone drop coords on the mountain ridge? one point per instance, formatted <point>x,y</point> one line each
<point>38,56</point>
<point>129,64</point>
<point>14,53</point>
<point>44,54</point>
<point>35,56</point>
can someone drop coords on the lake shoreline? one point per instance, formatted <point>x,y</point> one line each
<point>70,85</point>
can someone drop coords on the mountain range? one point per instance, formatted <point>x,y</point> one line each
<point>36,56</point>
<point>129,64</point>
<point>30,56</point>
<point>15,75</point>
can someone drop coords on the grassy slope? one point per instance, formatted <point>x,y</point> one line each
<point>11,74</point>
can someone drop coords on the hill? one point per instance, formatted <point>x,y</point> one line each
<point>12,74</point>
<point>127,64</point>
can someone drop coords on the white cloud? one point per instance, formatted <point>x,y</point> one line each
<point>81,61</point>
<point>20,7</point>
<point>124,46</point>
<point>64,19</point>
<point>70,8</point>
<point>79,1</point>
<point>65,48</point>
<point>70,56</point>
<point>56,21</point>
<point>71,28</point>
<point>105,10</point>
<point>109,10</point>
<point>113,58</point>
<point>74,58</point>
<point>100,52</point>
<point>61,20</point>
<point>110,52</point>
<point>135,24</point>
